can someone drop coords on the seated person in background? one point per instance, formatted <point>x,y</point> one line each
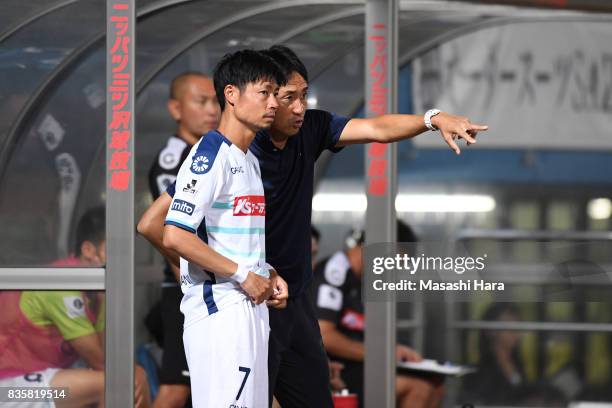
<point>500,378</point>
<point>44,334</point>
<point>335,368</point>
<point>337,295</point>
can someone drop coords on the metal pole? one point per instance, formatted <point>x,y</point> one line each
<point>119,378</point>
<point>381,182</point>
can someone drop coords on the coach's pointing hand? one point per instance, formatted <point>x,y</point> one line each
<point>452,127</point>
<point>257,287</point>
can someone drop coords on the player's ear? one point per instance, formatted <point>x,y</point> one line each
<point>174,107</point>
<point>231,93</point>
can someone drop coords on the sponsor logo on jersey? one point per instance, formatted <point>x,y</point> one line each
<point>200,165</point>
<point>329,297</point>
<point>238,169</point>
<point>251,205</point>
<point>33,377</point>
<point>75,307</point>
<point>168,159</point>
<point>190,187</point>
<point>353,320</point>
<point>183,206</point>
<point>335,274</point>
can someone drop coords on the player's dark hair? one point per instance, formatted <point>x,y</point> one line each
<point>243,67</point>
<point>91,227</point>
<point>179,80</point>
<point>288,60</point>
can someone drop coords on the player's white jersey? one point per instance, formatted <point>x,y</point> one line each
<point>220,196</point>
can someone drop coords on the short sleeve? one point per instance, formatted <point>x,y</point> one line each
<point>324,130</point>
<point>166,166</point>
<point>171,189</point>
<point>159,181</point>
<point>196,186</point>
<point>66,310</point>
<point>328,299</point>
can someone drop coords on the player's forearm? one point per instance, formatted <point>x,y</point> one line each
<point>339,345</point>
<point>90,349</point>
<point>151,226</point>
<point>190,247</point>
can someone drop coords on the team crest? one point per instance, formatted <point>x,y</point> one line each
<point>200,165</point>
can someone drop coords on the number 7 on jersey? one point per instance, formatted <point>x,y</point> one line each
<point>246,372</point>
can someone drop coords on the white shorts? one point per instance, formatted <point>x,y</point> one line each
<point>227,354</point>
<point>30,380</point>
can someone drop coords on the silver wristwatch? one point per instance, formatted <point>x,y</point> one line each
<point>428,115</point>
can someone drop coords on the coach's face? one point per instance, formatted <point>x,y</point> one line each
<point>255,105</point>
<point>291,106</point>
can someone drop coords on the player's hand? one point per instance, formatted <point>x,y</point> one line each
<point>257,287</point>
<point>335,380</point>
<point>403,353</point>
<point>280,291</point>
<point>453,127</point>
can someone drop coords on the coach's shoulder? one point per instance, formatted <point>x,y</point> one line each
<point>206,152</point>
<point>316,114</point>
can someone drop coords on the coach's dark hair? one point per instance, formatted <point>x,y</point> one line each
<point>287,59</point>
<point>91,227</point>
<point>243,67</point>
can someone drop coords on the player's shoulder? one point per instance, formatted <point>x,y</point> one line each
<point>336,269</point>
<point>70,302</point>
<point>209,150</point>
<point>170,156</point>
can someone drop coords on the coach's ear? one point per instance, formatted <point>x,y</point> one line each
<point>231,93</point>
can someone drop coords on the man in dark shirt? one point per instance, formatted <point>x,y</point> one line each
<point>298,367</point>
<point>193,105</point>
<point>336,292</point>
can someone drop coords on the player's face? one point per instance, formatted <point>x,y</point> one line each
<point>292,106</point>
<point>256,105</point>
<point>198,108</point>
<point>92,254</point>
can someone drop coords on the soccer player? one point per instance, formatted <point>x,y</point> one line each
<point>44,334</point>
<point>336,293</point>
<point>193,105</point>
<point>216,223</point>
<point>298,367</point>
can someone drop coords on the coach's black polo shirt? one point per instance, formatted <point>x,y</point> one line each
<point>288,176</point>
